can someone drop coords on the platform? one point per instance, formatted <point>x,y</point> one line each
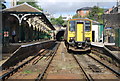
<point>113,50</point>
<point>13,48</point>
<point>110,47</point>
<point>97,44</point>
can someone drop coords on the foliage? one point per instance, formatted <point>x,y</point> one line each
<point>76,16</point>
<point>53,21</point>
<point>57,21</point>
<point>60,21</point>
<point>65,23</point>
<point>27,72</point>
<point>96,14</point>
<point>30,2</point>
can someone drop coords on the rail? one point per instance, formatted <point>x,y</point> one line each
<point>89,78</point>
<point>114,71</point>
<point>40,76</point>
<point>8,74</point>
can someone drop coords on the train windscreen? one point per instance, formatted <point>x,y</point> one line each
<point>72,26</point>
<point>87,26</point>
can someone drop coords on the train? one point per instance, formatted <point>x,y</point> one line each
<point>78,34</point>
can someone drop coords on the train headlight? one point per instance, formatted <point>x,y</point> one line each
<point>88,39</point>
<point>71,39</point>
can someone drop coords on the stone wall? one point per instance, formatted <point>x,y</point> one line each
<point>112,20</point>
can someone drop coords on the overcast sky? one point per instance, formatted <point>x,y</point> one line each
<point>69,7</point>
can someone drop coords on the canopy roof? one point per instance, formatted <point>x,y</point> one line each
<point>25,7</point>
<point>28,9</point>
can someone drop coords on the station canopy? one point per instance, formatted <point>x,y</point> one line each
<point>28,9</point>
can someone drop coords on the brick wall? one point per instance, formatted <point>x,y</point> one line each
<point>83,13</point>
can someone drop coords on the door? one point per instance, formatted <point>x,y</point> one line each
<point>80,31</point>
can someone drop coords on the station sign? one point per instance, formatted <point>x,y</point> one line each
<point>6,34</point>
<point>108,27</point>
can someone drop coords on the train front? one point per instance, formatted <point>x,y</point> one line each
<point>80,34</point>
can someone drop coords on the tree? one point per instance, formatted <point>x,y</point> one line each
<point>53,21</point>
<point>76,16</point>
<point>96,14</point>
<point>57,21</point>
<point>60,21</point>
<point>30,2</point>
<point>65,23</point>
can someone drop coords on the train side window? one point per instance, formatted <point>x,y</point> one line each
<point>72,26</point>
<point>87,26</point>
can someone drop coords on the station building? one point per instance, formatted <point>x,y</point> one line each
<point>97,32</point>
<point>24,23</point>
<point>83,11</point>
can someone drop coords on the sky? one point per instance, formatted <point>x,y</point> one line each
<point>69,7</point>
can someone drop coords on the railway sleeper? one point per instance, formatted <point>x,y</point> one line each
<point>94,68</point>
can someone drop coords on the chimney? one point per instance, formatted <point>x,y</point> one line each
<point>13,3</point>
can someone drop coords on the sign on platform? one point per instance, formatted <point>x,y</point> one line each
<point>6,34</point>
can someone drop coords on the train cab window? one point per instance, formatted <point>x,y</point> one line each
<point>72,26</point>
<point>87,26</point>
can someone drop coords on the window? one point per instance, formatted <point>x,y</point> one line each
<point>87,26</point>
<point>72,26</point>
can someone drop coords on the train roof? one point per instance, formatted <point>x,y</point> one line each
<point>79,19</point>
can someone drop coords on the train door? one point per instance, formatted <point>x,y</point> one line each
<point>80,31</point>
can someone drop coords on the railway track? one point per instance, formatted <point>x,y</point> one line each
<point>105,54</point>
<point>39,56</point>
<point>88,77</point>
<point>94,68</point>
<point>50,55</point>
<point>87,74</point>
<point>106,59</point>
<point>111,69</point>
<point>41,75</point>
